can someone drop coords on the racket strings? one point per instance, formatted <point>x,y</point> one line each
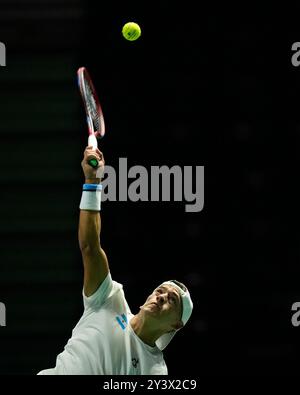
<point>92,107</point>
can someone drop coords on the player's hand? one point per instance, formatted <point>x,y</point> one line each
<point>90,172</point>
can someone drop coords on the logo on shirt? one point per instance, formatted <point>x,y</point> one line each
<point>135,362</point>
<point>122,320</point>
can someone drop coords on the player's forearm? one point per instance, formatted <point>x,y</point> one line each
<point>89,230</point>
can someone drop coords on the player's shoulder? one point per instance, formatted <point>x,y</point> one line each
<point>101,294</point>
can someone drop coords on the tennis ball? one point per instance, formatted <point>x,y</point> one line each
<point>131,31</point>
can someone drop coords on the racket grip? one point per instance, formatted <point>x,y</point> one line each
<point>94,143</point>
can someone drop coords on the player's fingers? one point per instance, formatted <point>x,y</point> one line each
<point>91,153</point>
<point>99,153</point>
<point>89,150</point>
<point>93,156</point>
<point>101,163</point>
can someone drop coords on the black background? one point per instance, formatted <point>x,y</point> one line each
<point>204,85</point>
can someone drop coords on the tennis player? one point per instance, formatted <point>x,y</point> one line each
<point>109,339</point>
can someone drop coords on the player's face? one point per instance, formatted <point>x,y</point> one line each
<point>165,304</point>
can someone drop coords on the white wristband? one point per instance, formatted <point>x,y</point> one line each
<point>91,197</point>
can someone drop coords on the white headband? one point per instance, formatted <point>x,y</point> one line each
<point>187,308</point>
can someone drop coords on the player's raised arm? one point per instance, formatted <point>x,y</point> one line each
<point>94,258</point>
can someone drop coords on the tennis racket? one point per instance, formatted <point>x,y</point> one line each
<point>94,114</point>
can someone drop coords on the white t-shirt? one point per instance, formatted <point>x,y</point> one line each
<point>103,341</point>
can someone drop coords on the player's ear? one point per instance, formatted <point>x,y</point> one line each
<point>178,325</point>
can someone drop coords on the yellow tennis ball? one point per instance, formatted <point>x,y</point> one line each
<point>131,31</point>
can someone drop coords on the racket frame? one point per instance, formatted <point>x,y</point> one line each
<point>83,78</point>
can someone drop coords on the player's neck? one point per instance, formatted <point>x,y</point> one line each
<point>145,330</point>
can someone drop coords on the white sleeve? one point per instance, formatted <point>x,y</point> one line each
<point>159,369</point>
<point>97,299</point>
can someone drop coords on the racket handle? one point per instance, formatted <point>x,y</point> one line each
<point>94,143</point>
<point>93,163</point>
